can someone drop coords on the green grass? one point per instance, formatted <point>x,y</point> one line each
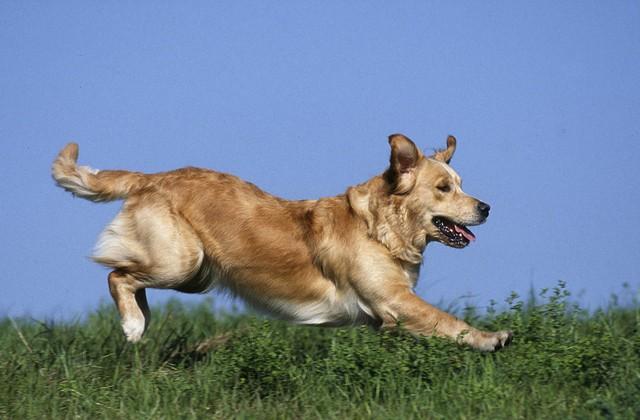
<point>564,362</point>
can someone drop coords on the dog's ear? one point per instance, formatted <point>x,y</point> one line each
<point>401,174</point>
<point>445,155</point>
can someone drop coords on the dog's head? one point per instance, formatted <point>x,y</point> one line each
<point>430,192</point>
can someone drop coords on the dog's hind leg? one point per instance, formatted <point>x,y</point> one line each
<point>149,245</point>
<point>129,296</point>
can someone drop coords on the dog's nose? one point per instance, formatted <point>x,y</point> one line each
<point>483,209</point>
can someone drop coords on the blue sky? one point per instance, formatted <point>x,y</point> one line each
<point>299,97</point>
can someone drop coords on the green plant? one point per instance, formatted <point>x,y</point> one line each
<point>564,362</point>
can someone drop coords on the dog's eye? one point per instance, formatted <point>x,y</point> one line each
<point>444,188</point>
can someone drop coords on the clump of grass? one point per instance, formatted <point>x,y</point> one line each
<point>563,362</point>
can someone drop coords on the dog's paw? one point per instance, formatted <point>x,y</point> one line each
<point>133,329</point>
<point>493,341</point>
<point>504,338</point>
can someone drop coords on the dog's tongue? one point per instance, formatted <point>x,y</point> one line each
<point>465,232</point>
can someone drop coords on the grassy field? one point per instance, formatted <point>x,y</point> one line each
<point>563,363</point>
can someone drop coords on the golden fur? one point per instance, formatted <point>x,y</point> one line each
<point>349,259</point>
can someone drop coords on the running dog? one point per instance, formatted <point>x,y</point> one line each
<point>344,260</point>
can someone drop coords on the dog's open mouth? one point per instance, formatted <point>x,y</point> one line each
<point>457,236</point>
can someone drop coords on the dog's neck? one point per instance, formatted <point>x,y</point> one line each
<point>394,231</point>
<point>390,224</point>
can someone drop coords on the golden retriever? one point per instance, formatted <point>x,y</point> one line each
<point>344,260</point>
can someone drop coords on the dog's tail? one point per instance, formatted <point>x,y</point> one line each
<point>89,183</point>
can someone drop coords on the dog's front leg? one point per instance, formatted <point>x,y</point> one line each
<point>387,291</point>
<point>404,308</point>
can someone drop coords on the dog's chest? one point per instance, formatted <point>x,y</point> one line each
<point>411,273</point>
